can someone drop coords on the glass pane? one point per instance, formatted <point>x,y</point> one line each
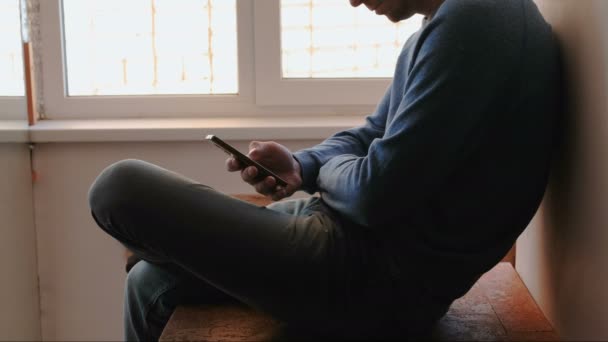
<point>331,39</point>
<point>11,58</point>
<point>150,47</point>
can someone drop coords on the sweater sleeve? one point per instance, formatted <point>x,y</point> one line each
<point>463,63</point>
<point>354,142</point>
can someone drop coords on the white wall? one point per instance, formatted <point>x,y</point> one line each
<point>19,310</point>
<point>81,268</point>
<point>563,255</point>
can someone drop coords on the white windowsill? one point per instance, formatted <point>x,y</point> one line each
<point>269,128</point>
<point>13,131</point>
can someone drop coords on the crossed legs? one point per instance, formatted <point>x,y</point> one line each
<point>199,245</point>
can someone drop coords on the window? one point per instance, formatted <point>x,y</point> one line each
<point>166,58</point>
<point>147,47</point>
<point>11,62</point>
<point>330,39</point>
<point>306,49</point>
<point>12,104</point>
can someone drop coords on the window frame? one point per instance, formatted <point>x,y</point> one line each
<point>262,91</point>
<point>273,89</point>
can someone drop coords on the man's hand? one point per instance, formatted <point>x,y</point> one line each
<point>277,158</point>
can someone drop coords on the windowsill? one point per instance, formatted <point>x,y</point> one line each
<point>13,131</point>
<point>124,130</point>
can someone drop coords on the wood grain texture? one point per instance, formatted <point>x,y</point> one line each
<point>30,84</point>
<point>497,308</point>
<point>219,323</point>
<point>512,302</point>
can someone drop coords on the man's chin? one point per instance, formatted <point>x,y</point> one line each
<point>393,18</point>
<point>397,17</point>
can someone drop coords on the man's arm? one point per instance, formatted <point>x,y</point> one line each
<point>463,64</point>
<point>354,141</point>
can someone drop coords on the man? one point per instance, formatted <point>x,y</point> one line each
<point>414,205</point>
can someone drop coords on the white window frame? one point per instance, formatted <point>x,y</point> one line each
<point>273,89</point>
<point>262,91</point>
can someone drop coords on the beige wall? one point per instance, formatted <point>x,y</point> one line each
<point>563,255</point>
<point>81,268</point>
<point>19,311</point>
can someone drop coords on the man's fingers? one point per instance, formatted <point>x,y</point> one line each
<point>270,182</point>
<point>279,194</point>
<point>255,150</point>
<point>233,165</point>
<point>266,186</point>
<point>249,174</point>
<point>254,153</point>
<point>255,145</point>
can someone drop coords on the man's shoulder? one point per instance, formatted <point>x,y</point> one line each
<point>501,24</point>
<point>496,24</point>
<point>482,10</point>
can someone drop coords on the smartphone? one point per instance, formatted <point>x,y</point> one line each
<point>263,172</point>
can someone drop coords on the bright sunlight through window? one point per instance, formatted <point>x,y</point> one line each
<point>330,39</point>
<point>150,47</point>
<point>11,58</point>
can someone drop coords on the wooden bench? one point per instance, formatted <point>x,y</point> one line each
<point>498,308</point>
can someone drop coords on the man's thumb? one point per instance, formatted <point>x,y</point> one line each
<point>255,149</point>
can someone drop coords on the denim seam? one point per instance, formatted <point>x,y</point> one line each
<point>155,298</point>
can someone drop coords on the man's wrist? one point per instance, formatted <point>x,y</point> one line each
<point>308,171</point>
<point>297,170</point>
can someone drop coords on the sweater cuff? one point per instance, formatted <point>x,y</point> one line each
<point>309,169</point>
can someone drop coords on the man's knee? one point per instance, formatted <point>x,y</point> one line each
<point>140,278</point>
<point>146,283</point>
<point>150,298</point>
<point>114,185</point>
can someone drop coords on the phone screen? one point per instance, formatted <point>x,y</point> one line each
<point>243,159</point>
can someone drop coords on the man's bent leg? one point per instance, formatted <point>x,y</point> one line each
<point>271,260</point>
<point>154,286</point>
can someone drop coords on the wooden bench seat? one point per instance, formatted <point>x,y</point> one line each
<point>498,308</point>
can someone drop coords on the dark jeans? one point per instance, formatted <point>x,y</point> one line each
<point>293,260</point>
